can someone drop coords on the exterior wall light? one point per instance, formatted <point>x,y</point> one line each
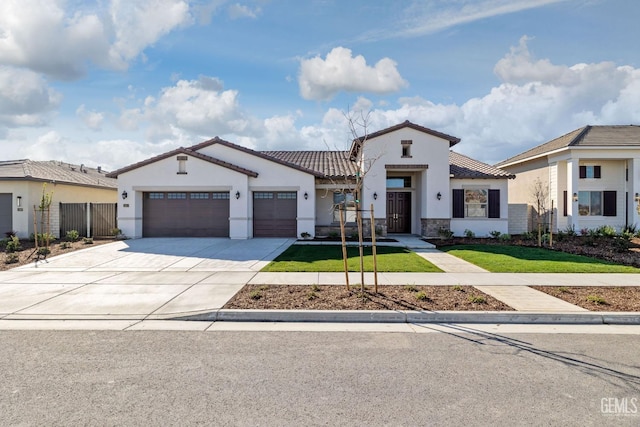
<point>375,196</point>
<point>439,196</point>
<point>237,194</point>
<point>575,197</point>
<point>637,198</point>
<point>306,195</point>
<point>19,200</point>
<point>124,195</point>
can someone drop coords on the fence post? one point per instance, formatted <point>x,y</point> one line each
<point>89,220</point>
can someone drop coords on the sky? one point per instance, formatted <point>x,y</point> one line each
<point>112,82</point>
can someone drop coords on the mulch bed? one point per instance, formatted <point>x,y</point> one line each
<point>27,256</point>
<point>336,297</point>
<point>594,298</point>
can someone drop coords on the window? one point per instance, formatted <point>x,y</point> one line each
<point>182,165</point>
<point>476,203</point>
<point>596,203</point>
<point>590,172</point>
<point>288,195</point>
<point>348,203</point>
<point>199,196</point>
<point>399,182</point>
<point>262,195</point>
<point>220,196</point>
<point>176,196</point>
<point>156,195</point>
<point>406,147</point>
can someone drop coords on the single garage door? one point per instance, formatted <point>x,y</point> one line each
<point>185,214</point>
<point>275,213</point>
<point>6,211</point>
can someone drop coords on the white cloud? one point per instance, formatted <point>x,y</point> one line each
<point>321,79</point>
<point>25,98</point>
<point>237,11</point>
<point>59,38</point>
<point>92,119</point>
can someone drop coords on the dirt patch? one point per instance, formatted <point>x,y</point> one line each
<point>336,297</point>
<point>597,298</point>
<point>27,254</point>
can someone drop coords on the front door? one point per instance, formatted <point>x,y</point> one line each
<point>398,212</point>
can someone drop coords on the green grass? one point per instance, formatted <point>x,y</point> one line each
<point>309,258</point>
<point>521,259</point>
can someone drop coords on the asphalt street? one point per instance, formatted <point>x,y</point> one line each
<point>458,376</point>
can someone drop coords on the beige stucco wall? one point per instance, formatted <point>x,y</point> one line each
<point>31,193</point>
<point>482,226</point>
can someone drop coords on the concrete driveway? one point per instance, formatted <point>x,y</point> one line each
<point>154,278</point>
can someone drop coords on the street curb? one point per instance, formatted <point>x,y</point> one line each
<point>375,316</point>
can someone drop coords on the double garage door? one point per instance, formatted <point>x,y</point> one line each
<point>185,214</point>
<point>206,214</point>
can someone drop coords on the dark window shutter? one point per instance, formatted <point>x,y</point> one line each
<point>564,200</point>
<point>494,203</point>
<point>596,171</point>
<point>609,203</point>
<point>583,171</point>
<point>458,203</point>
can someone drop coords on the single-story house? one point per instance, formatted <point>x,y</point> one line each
<point>592,176</point>
<point>407,172</point>
<point>22,183</point>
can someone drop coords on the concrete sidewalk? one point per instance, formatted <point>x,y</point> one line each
<point>149,279</point>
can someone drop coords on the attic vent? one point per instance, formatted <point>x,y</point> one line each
<point>182,165</point>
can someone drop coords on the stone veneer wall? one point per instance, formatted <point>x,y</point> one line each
<point>352,229</point>
<point>431,226</point>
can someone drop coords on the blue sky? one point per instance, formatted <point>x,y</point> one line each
<point>112,82</point>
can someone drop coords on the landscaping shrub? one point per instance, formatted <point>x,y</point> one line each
<point>13,245</point>
<point>73,235</point>
<point>42,237</point>
<point>506,237</point>
<point>495,234</point>
<point>10,258</point>
<point>445,233</point>
<point>469,234</point>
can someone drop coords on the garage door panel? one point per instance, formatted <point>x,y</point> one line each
<point>275,214</point>
<point>201,214</point>
<point>6,211</point>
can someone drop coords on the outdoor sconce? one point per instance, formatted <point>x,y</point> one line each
<point>637,198</point>
<point>575,197</point>
<point>124,195</point>
<point>439,196</point>
<point>237,194</point>
<point>306,195</point>
<point>375,196</point>
<point>19,200</point>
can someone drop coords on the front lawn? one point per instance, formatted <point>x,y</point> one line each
<point>523,259</point>
<point>310,258</point>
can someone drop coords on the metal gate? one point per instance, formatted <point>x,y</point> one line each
<point>76,216</point>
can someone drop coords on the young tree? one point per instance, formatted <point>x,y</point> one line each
<point>540,196</point>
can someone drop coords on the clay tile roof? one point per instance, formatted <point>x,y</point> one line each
<point>461,166</point>
<point>588,136</point>
<point>52,170</point>
<point>332,164</point>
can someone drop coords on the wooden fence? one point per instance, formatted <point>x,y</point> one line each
<point>88,219</point>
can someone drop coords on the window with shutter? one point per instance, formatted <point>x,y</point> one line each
<point>494,203</point>
<point>458,203</point>
<point>609,203</point>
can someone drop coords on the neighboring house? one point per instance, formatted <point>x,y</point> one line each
<point>592,175</point>
<point>217,188</point>
<point>21,188</point>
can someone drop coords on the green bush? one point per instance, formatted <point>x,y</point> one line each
<point>495,234</point>
<point>422,296</point>
<point>506,237</point>
<point>87,240</point>
<point>570,231</point>
<point>73,235</point>
<point>477,299</point>
<point>596,299</point>
<point>13,245</point>
<point>10,258</point>
<point>445,233</point>
<point>469,234</point>
<point>606,231</point>
<point>42,237</point>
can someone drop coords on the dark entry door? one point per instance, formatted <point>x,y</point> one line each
<point>398,212</point>
<point>6,212</point>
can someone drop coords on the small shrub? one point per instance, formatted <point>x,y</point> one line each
<point>13,245</point>
<point>584,231</point>
<point>65,245</point>
<point>42,237</point>
<point>263,287</point>
<point>570,231</point>
<point>495,234</point>
<point>334,234</point>
<point>115,231</point>
<point>506,237</point>
<point>469,234</point>
<point>422,296</point>
<point>411,288</point>
<point>596,299</point>
<point>255,295</point>
<point>305,235</point>
<point>622,243</point>
<point>606,231</point>
<point>560,236</point>
<point>87,240</point>
<point>458,288</point>
<point>10,234</point>
<point>363,295</point>
<point>315,288</point>
<point>73,235</point>
<point>528,236</point>
<point>563,290</point>
<point>311,296</point>
<point>10,258</point>
<point>3,243</point>
<point>477,299</point>
<point>445,233</point>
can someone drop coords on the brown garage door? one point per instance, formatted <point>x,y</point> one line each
<point>274,214</point>
<point>185,214</point>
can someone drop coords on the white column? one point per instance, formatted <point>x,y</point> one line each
<point>634,187</point>
<point>573,179</point>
